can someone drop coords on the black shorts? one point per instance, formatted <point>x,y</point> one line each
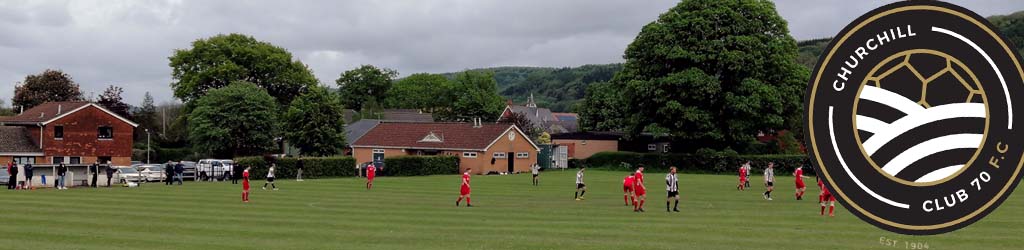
<point>535,175</point>
<point>770,184</point>
<point>270,179</point>
<point>580,185</point>
<point>673,194</point>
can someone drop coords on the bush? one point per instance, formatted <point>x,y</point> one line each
<point>708,163</point>
<point>315,167</point>
<point>420,165</point>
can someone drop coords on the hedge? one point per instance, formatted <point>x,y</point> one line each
<point>314,167</point>
<point>420,165</point>
<point>695,163</point>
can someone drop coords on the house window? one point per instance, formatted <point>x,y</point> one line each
<point>469,154</point>
<point>523,155</point>
<point>58,159</point>
<point>652,147</point>
<point>106,132</point>
<point>75,160</point>
<point>378,151</point>
<point>58,132</point>
<point>499,155</point>
<point>22,160</point>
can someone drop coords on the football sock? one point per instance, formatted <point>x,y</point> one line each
<point>822,209</point>
<point>625,199</point>
<point>676,206</point>
<point>831,209</point>
<point>458,201</point>
<point>642,203</point>
<point>584,192</point>
<point>666,205</point>
<point>468,203</point>
<point>577,196</point>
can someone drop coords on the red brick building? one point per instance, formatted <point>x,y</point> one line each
<point>68,132</point>
<point>485,147</point>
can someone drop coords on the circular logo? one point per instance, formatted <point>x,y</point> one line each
<point>910,117</point>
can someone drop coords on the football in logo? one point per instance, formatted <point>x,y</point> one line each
<point>910,117</point>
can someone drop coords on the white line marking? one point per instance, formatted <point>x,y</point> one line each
<point>930,147</point>
<point>911,121</point>
<point>832,133</point>
<point>890,99</point>
<point>870,124</point>
<point>1006,91</point>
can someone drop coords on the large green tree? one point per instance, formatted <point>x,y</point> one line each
<point>475,96</point>
<point>427,92</point>
<point>236,120</point>
<point>315,123</point>
<point>359,85</point>
<point>146,117</point>
<point>49,86</point>
<point>711,72</point>
<point>112,100</point>
<point>217,61</point>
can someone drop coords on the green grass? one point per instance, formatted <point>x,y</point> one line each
<point>419,213</point>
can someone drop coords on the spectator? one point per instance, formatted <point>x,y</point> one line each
<point>110,174</point>
<point>62,170</point>
<point>299,165</point>
<point>29,172</point>
<point>179,171</point>
<point>236,173</point>
<point>12,171</point>
<point>94,170</point>
<point>169,173</point>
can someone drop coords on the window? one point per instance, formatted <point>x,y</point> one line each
<point>106,132</point>
<point>523,155</point>
<point>469,154</point>
<point>75,160</point>
<point>652,147</point>
<point>378,151</point>
<point>22,160</point>
<point>58,159</point>
<point>500,155</point>
<point>58,132</point>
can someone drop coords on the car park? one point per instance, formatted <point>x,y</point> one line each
<point>152,172</point>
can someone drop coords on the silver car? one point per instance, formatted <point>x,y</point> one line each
<point>152,172</point>
<point>127,174</point>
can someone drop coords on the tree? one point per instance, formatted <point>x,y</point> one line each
<point>220,60</point>
<point>523,122</point>
<point>49,86</point>
<point>315,123</point>
<point>5,111</point>
<point>145,115</point>
<point>111,100</point>
<point>602,109</point>
<point>427,92</point>
<point>366,82</point>
<point>475,96</point>
<point>236,120</point>
<point>711,72</point>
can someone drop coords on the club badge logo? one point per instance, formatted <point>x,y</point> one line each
<point>910,117</point>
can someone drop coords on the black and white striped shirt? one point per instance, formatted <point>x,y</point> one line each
<point>671,183</point>
<point>579,177</point>
<point>769,174</point>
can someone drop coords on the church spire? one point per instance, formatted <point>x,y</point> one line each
<point>530,103</point>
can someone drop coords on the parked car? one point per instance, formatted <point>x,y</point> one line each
<point>214,169</point>
<point>152,172</point>
<point>190,170</point>
<point>5,178</point>
<point>128,174</point>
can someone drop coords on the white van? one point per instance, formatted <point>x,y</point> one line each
<point>214,170</point>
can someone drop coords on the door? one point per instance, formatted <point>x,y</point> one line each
<point>562,157</point>
<point>511,161</point>
<point>378,160</point>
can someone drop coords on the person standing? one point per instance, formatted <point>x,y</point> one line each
<point>639,189</point>
<point>245,185</point>
<point>9,176</point>
<point>800,187</point>
<point>464,190</point>
<point>179,173</point>
<point>12,182</point>
<point>29,172</point>
<point>672,186</point>
<point>94,170</point>
<point>769,180</point>
<point>536,174</point>
<point>581,187</point>
<point>746,169</point>
<point>743,176</point>
<point>270,177</point>
<point>169,173</point>
<point>627,190</point>
<point>62,172</point>
<point>110,174</point>
<point>300,165</point>
<point>825,197</point>
<point>371,172</point>
<point>236,173</point>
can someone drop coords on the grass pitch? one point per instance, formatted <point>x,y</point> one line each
<point>419,213</point>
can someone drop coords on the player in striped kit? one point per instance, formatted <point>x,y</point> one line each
<point>672,186</point>
<point>769,180</point>
<point>581,188</point>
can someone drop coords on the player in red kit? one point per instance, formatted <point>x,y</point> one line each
<point>627,190</point>
<point>371,172</point>
<point>464,191</point>
<point>639,189</point>
<point>743,176</point>
<point>800,187</point>
<point>826,198</point>
<point>245,185</point>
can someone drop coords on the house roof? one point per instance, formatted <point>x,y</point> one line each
<point>565,116</point>
<point>356,130</point>
<point>16,141</point>
<point>407,115</point>
<point>51,111</point>
<point>454,136</point>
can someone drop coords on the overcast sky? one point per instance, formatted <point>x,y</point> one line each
<point>126,43</point>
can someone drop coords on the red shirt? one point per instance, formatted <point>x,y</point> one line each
<point>628,182</point>
<point>743,173</point>
<point>245,180</point>
<point>371,171</point>
<point>799,173</point>
<point>638,180</point>
<point>822,186</point>
<point>465,180</point>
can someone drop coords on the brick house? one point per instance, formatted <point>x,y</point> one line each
<point>68,132</point>
<point>485,147</point>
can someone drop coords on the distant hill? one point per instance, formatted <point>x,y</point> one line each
<point>555,88</point>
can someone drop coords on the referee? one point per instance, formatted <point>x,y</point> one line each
<point>769,180</point>
<point>672,186</point>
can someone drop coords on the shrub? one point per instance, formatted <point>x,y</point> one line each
<point>314,167</point>
<point>420,165</point>
<point>708,163</point>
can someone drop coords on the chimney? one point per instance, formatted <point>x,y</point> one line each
<point>59,106</point>
<point>41,114</point>
<point>22,109</point>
